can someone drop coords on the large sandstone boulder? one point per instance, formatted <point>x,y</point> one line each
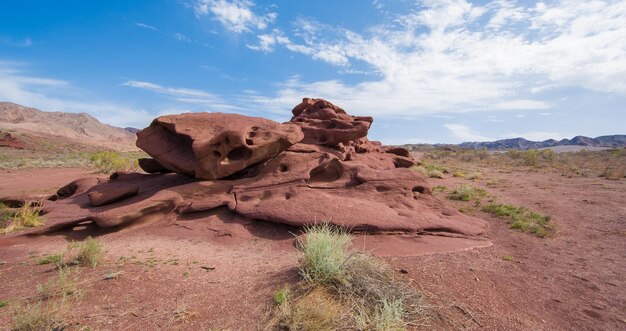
<point>214,145</point>
<point>256,169</point>
<point>326,124</point>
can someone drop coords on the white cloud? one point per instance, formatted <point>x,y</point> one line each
<point>58,95</point>
<point>454,56</point>
<point>464,133</point>
<point>185,95</point>
<point>146,26</point>
<point>181,37</point>
<point>236,15</point>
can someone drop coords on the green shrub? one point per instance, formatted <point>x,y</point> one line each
<point>467,193</point>
<point>439,188</point>
<point>522,218</point>
<point>325,250</point>
<point>51,259</point>
<point>282,295</point>
<point>107,162</point>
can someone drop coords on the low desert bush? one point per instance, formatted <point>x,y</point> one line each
<point>63,284</point>
<point>12,219</point>
<point>439,188</point>
<point>345,290</point>
<point>434,173</point>
<point>56,259</point>
<point>316,309</point>
<point>467,193</point>
<point>459,174</point>
<point>41,315</point>
<point>522,218</point>
<point>325,250</point>
<point>54,300</point>
<point>87,253</point>
<point>420,169</point>
<point>107,162</point>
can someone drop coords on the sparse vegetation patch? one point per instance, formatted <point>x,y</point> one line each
<point>467,193</point>
<point>15,219</point>
<point>87,253</point>
<point>522,218</point>
<point>345,290</point>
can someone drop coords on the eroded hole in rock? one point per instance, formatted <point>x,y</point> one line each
<point>287,196</point>
<point>326,172</point>
<point>419,189</point>
<point>331,125</point>
<point>239,154</point>
<point>382,188</point>
<point>283,168</point>
<point>249,142</point>
<point>217,154</point>
<point>245,198</point>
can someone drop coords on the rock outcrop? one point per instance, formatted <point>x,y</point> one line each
<point>214,145</point>
<point>319,167</point>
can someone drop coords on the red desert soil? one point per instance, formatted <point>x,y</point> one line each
<point>222,274</point>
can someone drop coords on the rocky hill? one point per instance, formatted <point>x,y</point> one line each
<point>612,141</point>
<point>81,127</point>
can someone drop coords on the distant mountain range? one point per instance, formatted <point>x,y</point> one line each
<point>44,126</point>
<point>611,141</point>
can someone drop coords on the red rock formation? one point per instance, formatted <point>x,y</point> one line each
<point>326,124</point>
<point>8,140</point>
<point>344,179</point>
<point>214,145</point>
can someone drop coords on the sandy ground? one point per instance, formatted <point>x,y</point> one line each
<point>221,273</point>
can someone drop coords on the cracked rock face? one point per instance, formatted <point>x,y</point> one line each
<point>214,145</point>
<point>261,170</point>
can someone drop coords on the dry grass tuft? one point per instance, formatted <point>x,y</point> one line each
<point>87,253</point>
<point>345,290</point>
<point>12,219</point>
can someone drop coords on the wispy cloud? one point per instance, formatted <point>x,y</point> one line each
<point>454,56</point>
<point>185,95</point>
<point>49,94</point>
<point>464,133</point>
<point>146,26</point>
<point>236,15</point>
<point>181,37</point>
<point>25,42</point>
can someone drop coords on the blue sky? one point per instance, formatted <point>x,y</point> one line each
<point>428,71</point>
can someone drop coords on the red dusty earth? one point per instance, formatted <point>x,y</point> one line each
<point>201,254</point>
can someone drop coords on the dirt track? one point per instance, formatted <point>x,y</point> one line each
<point>571,281</point>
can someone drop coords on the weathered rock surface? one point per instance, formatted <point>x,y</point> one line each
<point>151,166</point>
<point>344,179</point>
<point>214,145</point>
<point>326,124</point>
<point>101,197</point>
